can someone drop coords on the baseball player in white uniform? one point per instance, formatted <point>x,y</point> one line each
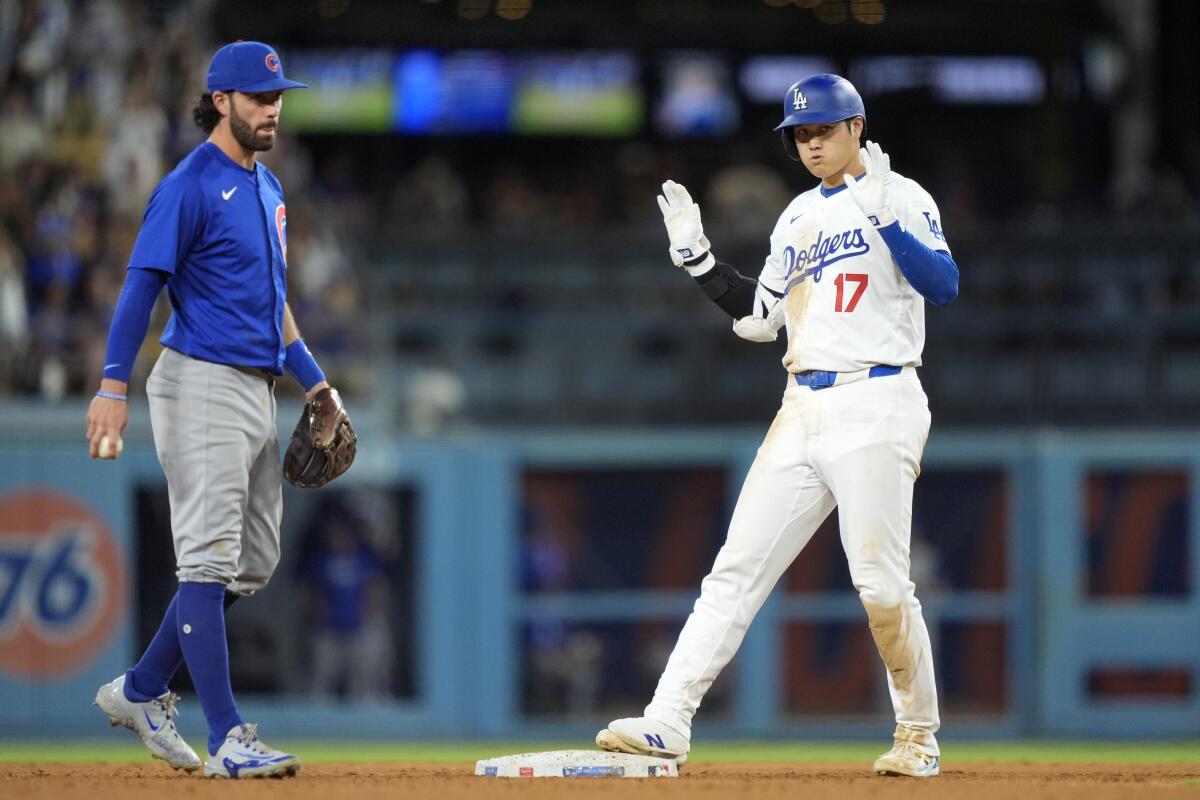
<point>852,262</point>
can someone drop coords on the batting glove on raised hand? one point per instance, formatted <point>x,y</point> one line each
<point>871,192</point>
<point>682,218</point>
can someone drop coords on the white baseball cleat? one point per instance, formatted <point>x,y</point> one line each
<point>244,755</point>
<point>641,736</point>
<point>906,759</point>
<point>153,721</point>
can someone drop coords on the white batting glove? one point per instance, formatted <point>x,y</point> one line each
<point>871,192</point>
<point>682,218</point>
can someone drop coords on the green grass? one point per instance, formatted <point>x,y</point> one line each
<point>313,752</point>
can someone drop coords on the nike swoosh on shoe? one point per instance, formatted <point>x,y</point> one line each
<point>234,767</point>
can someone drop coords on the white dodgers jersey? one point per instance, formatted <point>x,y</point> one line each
<point>847,306</point>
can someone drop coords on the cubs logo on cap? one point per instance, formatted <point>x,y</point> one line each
<point>248,67</point>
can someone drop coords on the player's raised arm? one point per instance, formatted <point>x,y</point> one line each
<point>753,307</point>
<point>932,272</point>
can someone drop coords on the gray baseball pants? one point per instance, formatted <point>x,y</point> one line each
<point>214,430</point>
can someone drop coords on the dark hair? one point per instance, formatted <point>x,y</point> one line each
<point>205,114</point>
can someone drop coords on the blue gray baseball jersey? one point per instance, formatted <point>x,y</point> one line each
<point>220,231</point>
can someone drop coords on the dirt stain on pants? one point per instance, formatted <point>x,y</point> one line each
<point>891,627</point>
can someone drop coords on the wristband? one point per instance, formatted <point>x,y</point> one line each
<point>699,266</point>
<point>111,395</point>
<point>883,217</point>
<point>301,365</point>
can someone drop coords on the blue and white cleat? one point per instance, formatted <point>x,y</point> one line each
<point>244,755</point>
<point>641,736</point>
<point>908,760</point>
<point>153,721</point>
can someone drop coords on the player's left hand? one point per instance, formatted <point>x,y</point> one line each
<point>870,193</point>
<point>323,444</point>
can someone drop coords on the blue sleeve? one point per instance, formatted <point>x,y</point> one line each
<point>299,362</point>
<point>130,320</point>
<point>173,221</point>
<point>933,273</point>
<point>271,177</point>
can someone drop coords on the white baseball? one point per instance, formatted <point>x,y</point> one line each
<point>106,448</point>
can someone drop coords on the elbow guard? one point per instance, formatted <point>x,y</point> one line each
<point>729,289</point>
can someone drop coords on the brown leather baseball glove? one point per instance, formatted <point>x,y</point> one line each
<point>323,444</point>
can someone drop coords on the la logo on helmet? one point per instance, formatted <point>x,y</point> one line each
<point>799,101</point>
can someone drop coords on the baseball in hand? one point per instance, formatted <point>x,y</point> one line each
<point>106,447</point>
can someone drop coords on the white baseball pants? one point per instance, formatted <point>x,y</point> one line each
<point>857,447</point>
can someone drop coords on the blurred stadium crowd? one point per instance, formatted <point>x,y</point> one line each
<point>524,279</point>
<point>95,105</point>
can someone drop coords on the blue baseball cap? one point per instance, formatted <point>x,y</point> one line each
<point>248,67</point>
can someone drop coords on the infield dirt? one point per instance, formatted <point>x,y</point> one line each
<point>808,781</point>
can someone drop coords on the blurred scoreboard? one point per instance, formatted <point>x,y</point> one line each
<point>680,93</point>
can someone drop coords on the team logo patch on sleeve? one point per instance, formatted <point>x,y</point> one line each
<point>281,229</point>
<point>935,227</point>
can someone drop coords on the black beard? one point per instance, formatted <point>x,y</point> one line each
<point>244,135</point>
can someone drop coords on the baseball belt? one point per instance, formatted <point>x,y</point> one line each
<point>817,379</point>
<point>257,372</point>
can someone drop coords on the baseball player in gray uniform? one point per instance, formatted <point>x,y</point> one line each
<point>214,234</point>
<point>851,264</point>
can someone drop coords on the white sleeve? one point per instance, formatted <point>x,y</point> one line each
<point>766,318</point>
<point>772,281</point>
<point>921,218</point>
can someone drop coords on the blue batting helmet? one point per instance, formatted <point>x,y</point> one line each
<point>817,99</point>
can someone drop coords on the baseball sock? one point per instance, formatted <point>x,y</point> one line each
<point>201,620</point>
<point>149,677</point>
